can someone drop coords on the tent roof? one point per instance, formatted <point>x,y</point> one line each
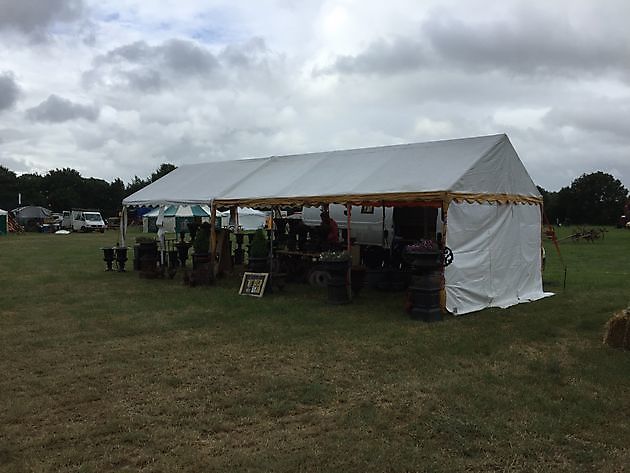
<point>485,167</point>
<point>32,211</point>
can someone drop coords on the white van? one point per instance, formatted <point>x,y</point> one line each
<point>375,226</point>
<point>369,225</point>
<point>66,220</point>
<point>86,220</point>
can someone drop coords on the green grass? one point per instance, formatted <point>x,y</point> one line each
<point>108,372</point>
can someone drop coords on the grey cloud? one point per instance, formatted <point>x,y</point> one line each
<point>249,54</point>
<point>147,68</point>
<point>10,134</point>
<point>528,43</point>
<point>186,57</point>
<point>605,116</point>
<point>136,52</point>
<point>176,55</point>
<point>56,109</point>
<point>146,80</point>
<point>33,17</point>
<point>153,68</point>
<point>9,90</point>
<point>15,165</point>
<point>382,57</point>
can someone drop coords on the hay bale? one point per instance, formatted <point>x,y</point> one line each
<point>618,330</point>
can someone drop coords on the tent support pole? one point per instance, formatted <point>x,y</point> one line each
<point>123,227</point>
<point>213,239</point>
<point>234,217</point>
<point>349,249</point>
<point>160,233</point>
<point>445,205</point>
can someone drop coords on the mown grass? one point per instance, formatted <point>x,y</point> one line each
<point>109,372</point>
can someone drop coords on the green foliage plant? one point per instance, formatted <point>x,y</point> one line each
<point>259,247</point>
<point>201,244</point>
<point>332,256</point>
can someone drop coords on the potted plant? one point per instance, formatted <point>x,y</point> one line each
<point>108,257</point>
<point>182,249</point>
<point>257,259</point>
<point>145,253</point>
<point>121,257</point>
<point>423,253</point>
<point>337,264</point>
<point>426,259</point>
<point>201,245</point>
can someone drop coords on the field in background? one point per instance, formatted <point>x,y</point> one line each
<point>107,372</point>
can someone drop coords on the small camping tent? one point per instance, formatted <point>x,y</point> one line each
<point>4,222</point>
<point>490,206</point>
<point>31,217</point>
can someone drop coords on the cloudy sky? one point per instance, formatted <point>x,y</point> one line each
<point>113,88</point>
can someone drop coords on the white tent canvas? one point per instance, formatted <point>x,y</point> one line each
<point>486,165</point>
<point>4,222</point>
<point>492,207</point>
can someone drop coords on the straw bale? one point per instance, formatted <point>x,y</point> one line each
<point>617,333</point>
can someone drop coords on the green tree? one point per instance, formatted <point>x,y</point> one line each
<point>135,185</point>
<point>64,189</point>
<point>31,188</point>
<point>597,198</point>
<point>115,195</point>
<point>8,189</point>
<point>163,170</point>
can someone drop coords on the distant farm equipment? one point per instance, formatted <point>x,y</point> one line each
<point>586,234</point>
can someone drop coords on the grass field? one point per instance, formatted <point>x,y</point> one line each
<point>108,372</point>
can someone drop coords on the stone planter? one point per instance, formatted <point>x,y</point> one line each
<point>201,273</point>
<point>258,265</point>
<point>239,252</point>
<point>182,252</point>
<point>121,258</point>
<point>338,290</point>
<point>426,284</point>
<point>108,257</point>
<point>357,280</point>
<point>173,263</point>
<point>147,251</point>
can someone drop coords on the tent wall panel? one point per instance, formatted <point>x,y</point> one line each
<point>497,256</point>
<point>4,223</point>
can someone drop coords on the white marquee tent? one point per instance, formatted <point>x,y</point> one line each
<point>4,222</point>
<point>491,206</point>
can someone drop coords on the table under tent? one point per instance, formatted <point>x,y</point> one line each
<point>474,194</point>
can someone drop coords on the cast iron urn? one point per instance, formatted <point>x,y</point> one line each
<point>426,260</point>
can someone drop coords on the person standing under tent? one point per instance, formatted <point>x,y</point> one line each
<point>330,230</point>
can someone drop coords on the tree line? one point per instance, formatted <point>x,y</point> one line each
<point>65,189</point>
<point>597,198</point>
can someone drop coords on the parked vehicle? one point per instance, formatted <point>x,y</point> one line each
<point>80,220</point>
<point>378,226</point>
<point>66,220</point>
